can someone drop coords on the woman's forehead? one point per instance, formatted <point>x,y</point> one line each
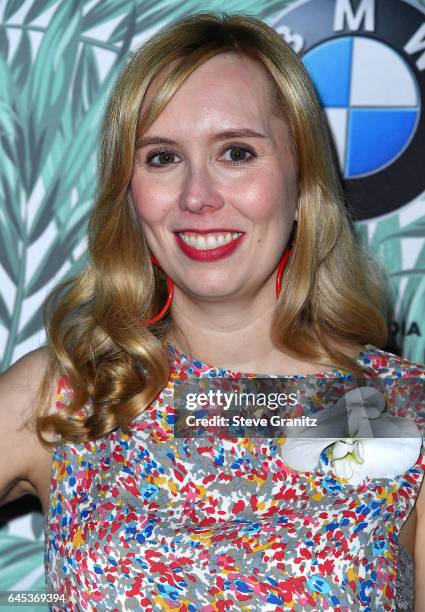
<point>226,88</point>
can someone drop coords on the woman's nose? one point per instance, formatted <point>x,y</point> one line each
<point>200,191</point>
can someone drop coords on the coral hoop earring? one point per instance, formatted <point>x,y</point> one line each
<point>281,268</point>
<point>169,297</point>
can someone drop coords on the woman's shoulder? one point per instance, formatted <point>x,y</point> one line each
<point>19,386</point>
<point>403,383</point>
<point>385,363</point>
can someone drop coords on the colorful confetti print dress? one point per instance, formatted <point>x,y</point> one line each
<point>147,521</point>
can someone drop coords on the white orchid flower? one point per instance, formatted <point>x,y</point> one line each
<point>362,440</point>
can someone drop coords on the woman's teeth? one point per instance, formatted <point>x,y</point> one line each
<point>206,242</point>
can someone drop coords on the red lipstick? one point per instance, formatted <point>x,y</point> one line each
<point>210,254</point>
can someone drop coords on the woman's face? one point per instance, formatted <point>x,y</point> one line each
<point>214,183</point>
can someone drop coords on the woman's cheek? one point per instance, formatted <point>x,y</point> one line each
<point>262,201</point>
<point>147,203</point>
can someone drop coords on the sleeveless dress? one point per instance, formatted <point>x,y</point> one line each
<point>146,521</point>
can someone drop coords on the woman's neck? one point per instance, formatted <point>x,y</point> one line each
<point>239,343</point>
<point>231,333</point>
<point>236,338</point>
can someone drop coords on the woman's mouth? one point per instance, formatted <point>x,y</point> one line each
<point>208,246</point>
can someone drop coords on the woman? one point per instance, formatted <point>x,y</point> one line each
<point>217,194</point>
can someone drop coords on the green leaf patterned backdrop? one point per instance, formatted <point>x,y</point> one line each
<point>58,59</point>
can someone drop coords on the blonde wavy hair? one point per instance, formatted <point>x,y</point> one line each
<point>95,321</point>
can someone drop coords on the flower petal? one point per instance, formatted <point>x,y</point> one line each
<point>303,454</point>
<point>341,448</point>
<point>343,468</point>
<point>362,405</point>
<point>383,458</point>
<point>390,426</point>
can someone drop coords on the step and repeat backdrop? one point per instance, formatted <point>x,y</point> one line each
<point>58,60</point>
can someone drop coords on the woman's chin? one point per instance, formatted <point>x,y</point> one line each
<point>211,293</point>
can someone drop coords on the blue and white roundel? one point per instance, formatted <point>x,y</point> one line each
<point>370,98</point>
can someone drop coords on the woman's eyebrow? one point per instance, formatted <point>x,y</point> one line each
<point>143,141</point>
<point>238,133</point>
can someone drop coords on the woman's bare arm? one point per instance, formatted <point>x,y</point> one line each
<point>23,460</point>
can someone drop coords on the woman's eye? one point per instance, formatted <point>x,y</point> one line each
<point>164,158</point>
<point>238,154</point>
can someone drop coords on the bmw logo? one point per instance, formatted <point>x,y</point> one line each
<point>367,61</point>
